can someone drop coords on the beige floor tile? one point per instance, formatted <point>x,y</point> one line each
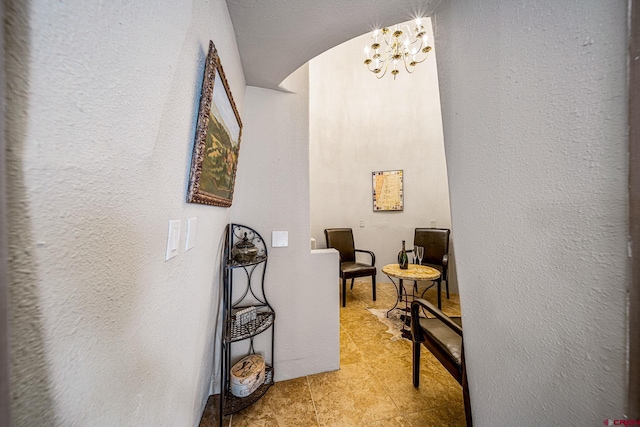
<point>349,352</point>
<point>363,323</point>
<point>400,421</point>
<point>351,396</point>
<point>439,417</point>
<point>287,403</point>
<point>384,300</point>
<point>376,346</point>
<point>354,313</point>
<point>351,298</point>
<point>396,376</point>
<point>363,291</point>
<point>450,307</point>
<point>385,294</point>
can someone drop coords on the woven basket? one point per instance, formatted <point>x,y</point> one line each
<point>247,375</point>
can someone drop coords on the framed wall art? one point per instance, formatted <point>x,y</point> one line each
<point>217,140</point>
<point>388,194</point>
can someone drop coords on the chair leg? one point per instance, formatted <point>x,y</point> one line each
<point>439,294</point>
<point>447,286</point>
<point>416,364</point>
<point>465,391</point>
<point>352,283</point>
<point>344,292</point>
<point>467,400</point>
<point>373,286</point>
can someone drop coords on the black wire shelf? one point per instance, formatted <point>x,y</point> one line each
<point>233,404</point>
<point>246,316</point>
<point>232,263</point>
<point>237,332</point>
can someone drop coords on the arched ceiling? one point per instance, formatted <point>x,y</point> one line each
<point>276,37</point>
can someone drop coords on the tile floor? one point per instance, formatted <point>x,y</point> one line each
<point>373,386</point>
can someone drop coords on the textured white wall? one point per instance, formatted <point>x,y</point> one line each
<point>358,125</point>
<point>534,111</point>
<point>103,101</point>
<point>5,397</point>
<point>272,193</point>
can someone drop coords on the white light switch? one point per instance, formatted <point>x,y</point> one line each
<point>173,239</point>
<point>279,239</point>
<point>191,233</point>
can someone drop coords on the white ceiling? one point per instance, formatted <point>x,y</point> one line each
<point>276,37</point>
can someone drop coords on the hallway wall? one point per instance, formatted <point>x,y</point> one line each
<point>359,124</point>
<point>534,103</point>
<point>102,107</point>
<point>272,193</point>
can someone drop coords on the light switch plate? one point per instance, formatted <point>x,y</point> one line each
<point>174,238</point>
<point>279,239</point>
<point>191,233</point>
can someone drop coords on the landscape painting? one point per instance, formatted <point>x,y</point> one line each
<point>217,142</point>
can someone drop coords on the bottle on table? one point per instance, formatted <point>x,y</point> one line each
<point>403,259</point>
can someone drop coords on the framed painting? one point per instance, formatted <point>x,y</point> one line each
<point>388,194</point>
<point>217,140</point>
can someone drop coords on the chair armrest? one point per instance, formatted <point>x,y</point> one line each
<point>373,257</point>
<point>445,263</point>
<point>416,330</point>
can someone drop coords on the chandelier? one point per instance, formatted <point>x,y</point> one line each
<point>393,48</point>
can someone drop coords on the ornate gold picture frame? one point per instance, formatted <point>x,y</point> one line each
<point>217,140</point>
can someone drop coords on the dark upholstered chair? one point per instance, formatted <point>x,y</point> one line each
<point>342,240</point>
<point>435,242</point>
<point>442,336</point>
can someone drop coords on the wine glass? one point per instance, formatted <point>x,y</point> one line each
<point>420,253</point>
<point>415,254</point>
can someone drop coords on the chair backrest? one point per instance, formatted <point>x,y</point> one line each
<point>435,242</point>
<point>342,240</point>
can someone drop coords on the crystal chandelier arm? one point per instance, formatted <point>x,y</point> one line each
<point>377,67</point>
<point>406,67</point>
<point>422,60</point>
<point>386,67</point>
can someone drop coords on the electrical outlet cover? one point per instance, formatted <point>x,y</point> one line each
<point>173,239</point>
<point>279,239</point>
<point>191,233</point>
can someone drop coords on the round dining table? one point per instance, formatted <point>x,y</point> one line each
<point>415,273</point>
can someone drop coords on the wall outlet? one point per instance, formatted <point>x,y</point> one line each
<point>433,223</point>
<point>362,223</point>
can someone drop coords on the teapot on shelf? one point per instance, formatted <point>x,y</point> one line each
<point>244,251</point>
